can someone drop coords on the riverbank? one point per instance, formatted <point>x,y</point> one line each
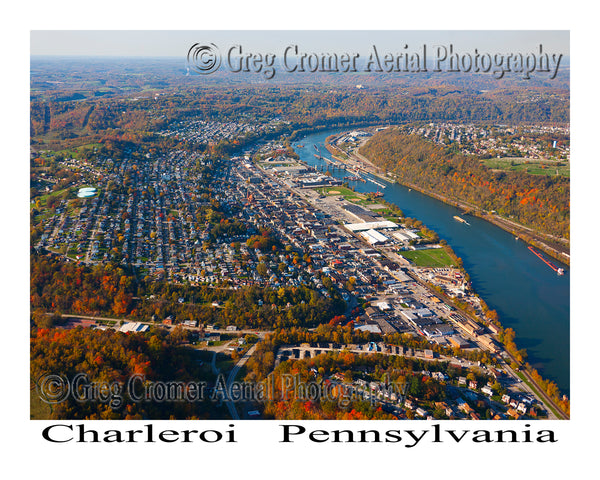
<point>485,318</point>
<point>536,239</point>
<point>358,162</point>
<point>548,244</point>
<point>528,297</point>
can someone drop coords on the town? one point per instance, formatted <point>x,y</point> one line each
<point>547,146</point>
<point>158,215</point>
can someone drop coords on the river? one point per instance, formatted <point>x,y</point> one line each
<point>527,294</point>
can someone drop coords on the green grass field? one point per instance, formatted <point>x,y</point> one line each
<point>432,257</point>
<point>354,197</point>
<point>341,192</point>
<point>534,167</point>
<point>44,198</point>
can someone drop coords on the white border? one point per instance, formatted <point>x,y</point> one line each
<point>261,454</point>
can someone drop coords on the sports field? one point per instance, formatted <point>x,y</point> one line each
<point>342,192</point>
<point>432,257</point>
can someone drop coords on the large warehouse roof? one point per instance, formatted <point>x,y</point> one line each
<point>374,237</point>
<point>359,227</point>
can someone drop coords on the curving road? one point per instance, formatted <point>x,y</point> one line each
<point>231,378</point>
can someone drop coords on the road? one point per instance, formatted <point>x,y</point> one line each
<point>537,391</point>
<point>231,378</point>
<point>246,331</point>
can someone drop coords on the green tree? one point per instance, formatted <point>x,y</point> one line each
<point>262,269</point>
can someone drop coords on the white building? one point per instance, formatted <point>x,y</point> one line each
<point>374,237</point>
<point>360,227</point>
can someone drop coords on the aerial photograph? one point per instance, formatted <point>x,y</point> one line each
<point>300,225</point>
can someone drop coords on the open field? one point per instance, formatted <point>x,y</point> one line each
<point>529,165</point>
<point>77,152</point>
<point>341,191</point>
<point>64,192</point>
<point>363,200</point>
<point>432,257</point>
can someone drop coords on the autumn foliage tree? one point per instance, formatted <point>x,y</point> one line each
<point>112,359</point>
<point>538,201</point>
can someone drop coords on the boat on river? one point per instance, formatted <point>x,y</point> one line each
<point>558,270</point>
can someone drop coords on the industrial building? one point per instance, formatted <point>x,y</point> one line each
<point>360,227</point>
<point>374,237</point>
<point>360,213</point>
<point>458,341</point>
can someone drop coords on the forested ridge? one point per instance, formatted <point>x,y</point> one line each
<point>536,201</point>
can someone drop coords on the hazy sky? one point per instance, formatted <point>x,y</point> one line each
<point>176,43</point>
